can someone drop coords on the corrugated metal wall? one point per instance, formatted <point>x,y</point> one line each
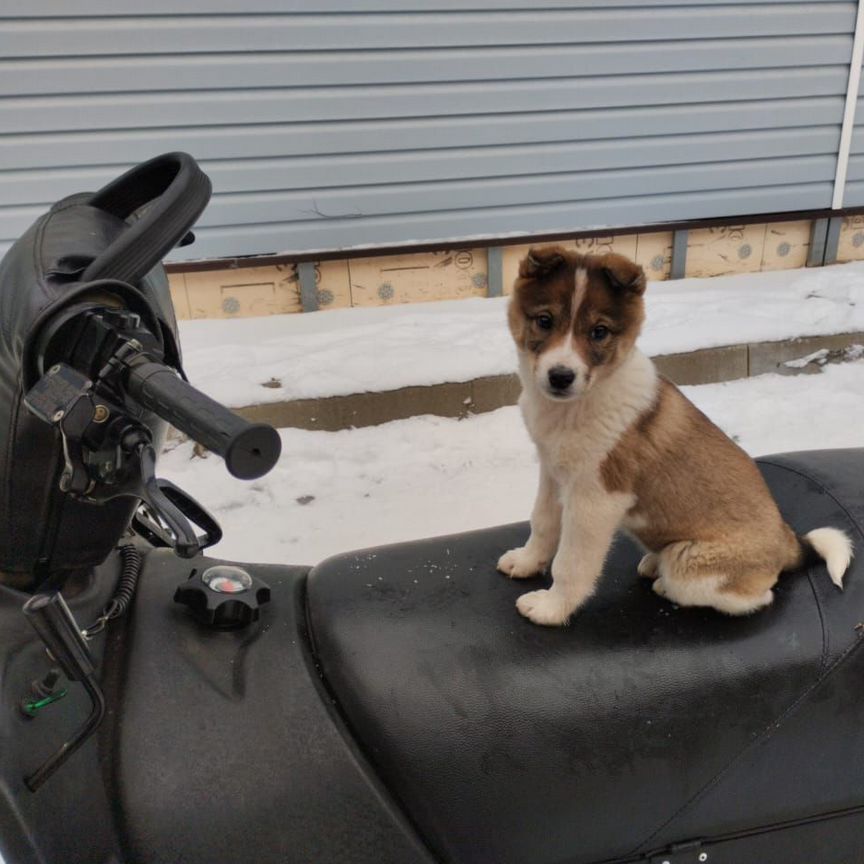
<point>854,191</point>
<point>332,123</point>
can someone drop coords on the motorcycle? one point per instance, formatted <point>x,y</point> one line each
<point>386,706</point>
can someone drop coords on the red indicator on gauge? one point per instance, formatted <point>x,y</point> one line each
<point>224,579</point>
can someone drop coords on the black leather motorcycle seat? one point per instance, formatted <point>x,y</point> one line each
<point>638,726</point>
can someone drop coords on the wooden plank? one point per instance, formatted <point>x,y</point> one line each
<point>787,245</point>
<point>510,260</point>
<point>179,297</point>
<point>652,250</point>
<point>654,253</point>
<point>851,242</point>
<point>624,244</point>
<point>243,293</point>
<point>444,275</point>
<point>456,274</point>
<point>333,283</point>
<point>726,249</point>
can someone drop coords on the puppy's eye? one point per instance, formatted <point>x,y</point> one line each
<point>598,333</point>
<point>544,321</point>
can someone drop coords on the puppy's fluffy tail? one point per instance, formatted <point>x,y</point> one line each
<point>830,545</point>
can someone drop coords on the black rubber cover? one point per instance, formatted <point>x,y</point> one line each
<point>176,190</point>
<point>637,727</point>
<point>250,450</point>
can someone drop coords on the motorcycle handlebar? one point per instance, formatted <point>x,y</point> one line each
<point>250,450</point>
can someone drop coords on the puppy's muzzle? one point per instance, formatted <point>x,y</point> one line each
<point>560,379</point>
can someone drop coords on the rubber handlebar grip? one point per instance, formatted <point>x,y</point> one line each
<point>250,450</point>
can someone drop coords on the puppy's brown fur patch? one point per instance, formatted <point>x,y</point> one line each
<point>693,484</point>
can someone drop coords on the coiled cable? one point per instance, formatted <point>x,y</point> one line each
<point>126,585</point>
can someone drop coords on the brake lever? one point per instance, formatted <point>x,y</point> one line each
<point>63,397</point>
<point>170,512</point>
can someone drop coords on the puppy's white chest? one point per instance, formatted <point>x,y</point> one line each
<point>569,452</point>
<point>574,439</point>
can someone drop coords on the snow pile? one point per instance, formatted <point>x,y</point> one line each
<point>343,351</point>
<point>819,357</point>
<point>338,491</point>
<point>827,355</point>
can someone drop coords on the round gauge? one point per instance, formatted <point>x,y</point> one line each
<point>224,579</point>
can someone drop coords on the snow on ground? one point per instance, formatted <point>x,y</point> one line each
<point>338,491</point>
<point>383,348</point>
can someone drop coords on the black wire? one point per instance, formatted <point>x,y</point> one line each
<point>125,591</point>
<point>127,583</point>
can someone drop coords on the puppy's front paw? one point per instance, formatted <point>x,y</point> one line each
<point>544,607</point>
<point>520,564</point>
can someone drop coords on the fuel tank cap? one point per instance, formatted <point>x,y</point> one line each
<point>224,596</point>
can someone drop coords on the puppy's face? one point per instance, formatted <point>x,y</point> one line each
<point>575,317</point>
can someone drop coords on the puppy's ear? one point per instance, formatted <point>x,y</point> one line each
<point>624,274</point>
<point>541,261</point>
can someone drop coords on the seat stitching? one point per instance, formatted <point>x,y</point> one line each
<point>766,735</point>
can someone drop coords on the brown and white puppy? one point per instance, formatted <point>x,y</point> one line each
<point>621,447</point>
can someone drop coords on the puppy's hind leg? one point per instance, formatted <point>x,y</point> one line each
<point>709,591</point>
<point>691,574</point>
<point>534,557</point>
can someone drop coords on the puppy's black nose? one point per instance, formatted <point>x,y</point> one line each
<point>560,377</point>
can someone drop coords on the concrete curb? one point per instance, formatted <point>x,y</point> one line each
<point>707,366</point>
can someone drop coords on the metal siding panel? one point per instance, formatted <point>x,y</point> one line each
<point>247,175</point>
<point>214,242</point>
<point>441,227</point>
<point>146,110</point>
<point>367,202</point>
<point>299,139</point>
<point>389,121</point>
<point>361,202</point>
<point>53,8</point>
<point>858,132</point>
<point>339,68</point>
<point>854,196</point>
<point>856,168</point>
<point>853,189</point>
<point>61,37</point>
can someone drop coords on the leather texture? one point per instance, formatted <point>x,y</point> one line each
<point>40,278</point>
<point>639,726</point>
